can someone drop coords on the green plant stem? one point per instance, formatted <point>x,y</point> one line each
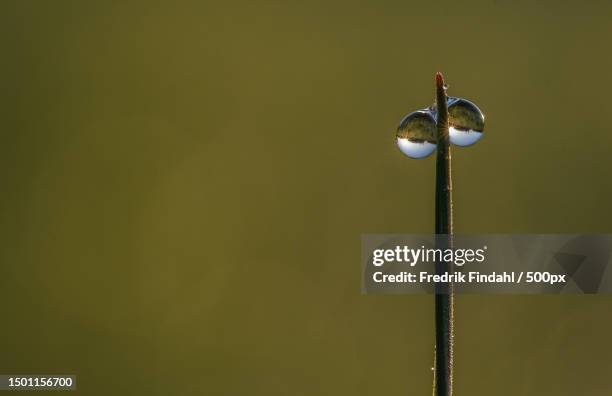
<point>444,302</point>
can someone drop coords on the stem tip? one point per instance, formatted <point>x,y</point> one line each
<point>439,80</point>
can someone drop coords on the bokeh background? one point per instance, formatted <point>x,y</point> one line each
<point>184,186</point>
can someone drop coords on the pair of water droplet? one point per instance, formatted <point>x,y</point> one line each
<point>416,134</point>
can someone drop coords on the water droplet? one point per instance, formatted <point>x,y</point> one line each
<point>466,122</point>
<point>416,134</point>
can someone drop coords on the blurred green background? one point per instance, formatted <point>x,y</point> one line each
<point>184,186</point>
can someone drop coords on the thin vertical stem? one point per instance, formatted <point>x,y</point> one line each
<point>444,228</point>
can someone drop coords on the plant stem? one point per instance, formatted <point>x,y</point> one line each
<point>444,229</point>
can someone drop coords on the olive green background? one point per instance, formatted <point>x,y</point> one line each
<point>184,186</point>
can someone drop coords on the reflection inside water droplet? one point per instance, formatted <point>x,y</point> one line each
<point>414,148</point>
<point>461,137</point>
<point>466,122</point>
<point>416,134</point>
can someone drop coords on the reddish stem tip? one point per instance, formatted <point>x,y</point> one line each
<point>439,80</point>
